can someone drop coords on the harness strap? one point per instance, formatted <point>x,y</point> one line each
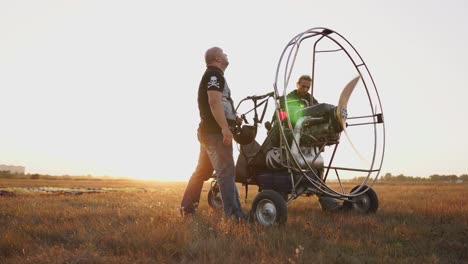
<point>264,111</point>
<point>246,191</point>
<point>256,115</point>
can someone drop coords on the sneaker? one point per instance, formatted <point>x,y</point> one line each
<point>184,212</point>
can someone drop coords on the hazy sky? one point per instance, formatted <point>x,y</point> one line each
<point>109,87</point>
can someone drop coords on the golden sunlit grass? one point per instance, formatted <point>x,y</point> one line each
<point>416,223</point>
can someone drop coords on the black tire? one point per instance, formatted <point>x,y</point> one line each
<point>269,208</point>
<point>285,196</point>
<point>214,197</point>
<point>366,203</point>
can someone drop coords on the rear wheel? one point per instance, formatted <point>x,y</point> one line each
<point>269,208</point>
<point>365,203</point>
<point>285,196</point>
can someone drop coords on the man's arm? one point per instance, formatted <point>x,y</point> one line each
<point>217,109</point>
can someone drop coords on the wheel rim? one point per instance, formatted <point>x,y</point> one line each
<point>266,212</point>
<point>362,203</point>
<point>216,200</point>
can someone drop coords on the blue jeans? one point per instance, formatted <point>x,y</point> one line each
<point>214,155</point>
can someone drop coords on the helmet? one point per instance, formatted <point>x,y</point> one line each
<point>273,158</point>
<point>245,135</point>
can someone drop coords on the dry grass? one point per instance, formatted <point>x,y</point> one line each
<point>416,223</point>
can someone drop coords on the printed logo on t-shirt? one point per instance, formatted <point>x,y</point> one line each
<point>213,82</point>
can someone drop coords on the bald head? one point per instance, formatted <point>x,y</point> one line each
<point>211,54</point>
<point>215,57</point>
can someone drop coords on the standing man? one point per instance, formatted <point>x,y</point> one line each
<point>217,112</point>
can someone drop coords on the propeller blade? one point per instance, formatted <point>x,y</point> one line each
<point>341,112</point>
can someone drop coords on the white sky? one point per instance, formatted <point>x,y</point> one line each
<point>109,87</point>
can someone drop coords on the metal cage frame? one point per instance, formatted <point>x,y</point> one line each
<point>287,60</point>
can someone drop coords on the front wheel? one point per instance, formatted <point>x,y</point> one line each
<point>269,208</point>
<point>365,203</point>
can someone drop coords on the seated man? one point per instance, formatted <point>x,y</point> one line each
<point>296,100</point>
<point>301,93</point>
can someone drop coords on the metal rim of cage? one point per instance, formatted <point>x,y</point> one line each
<point>291,50</point>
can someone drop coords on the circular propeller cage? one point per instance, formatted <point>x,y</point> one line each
<point>363,114</point>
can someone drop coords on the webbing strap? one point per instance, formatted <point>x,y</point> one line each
<point>246,191</point>
<point>264,111</point>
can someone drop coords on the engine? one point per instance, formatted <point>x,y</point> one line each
<point>318,125</point>
<point>314,127</point>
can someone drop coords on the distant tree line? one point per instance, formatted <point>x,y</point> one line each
<point>10,175</point>
<point>35,176</point>
<point>388,177</point>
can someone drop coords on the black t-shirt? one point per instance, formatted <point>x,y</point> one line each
<point>213,80</point>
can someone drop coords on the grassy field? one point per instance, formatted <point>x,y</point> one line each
<point>415,223</point>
